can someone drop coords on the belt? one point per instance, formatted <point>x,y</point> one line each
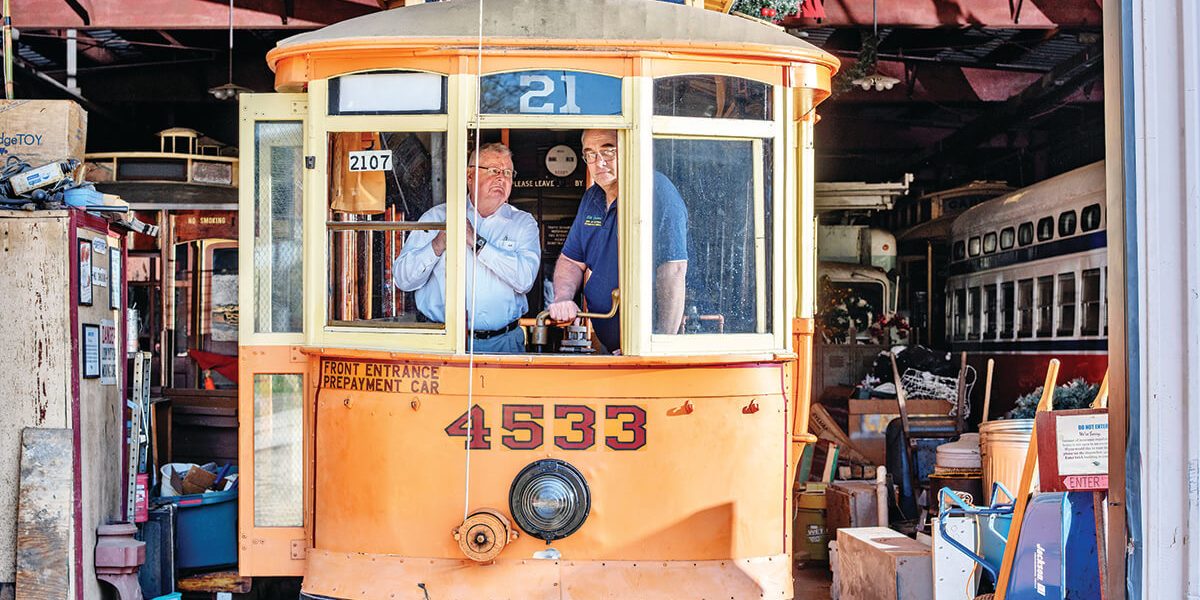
<point>483,335</point>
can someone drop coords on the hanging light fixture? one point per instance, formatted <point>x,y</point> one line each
<point>876,80</point>
<point>229,90</point>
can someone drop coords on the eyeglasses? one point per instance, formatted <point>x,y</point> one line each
<point>607,154</point>
<point>495,172</point>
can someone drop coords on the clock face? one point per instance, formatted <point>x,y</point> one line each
<point>561,161</point>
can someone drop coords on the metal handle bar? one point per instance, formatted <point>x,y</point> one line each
<point>540,321</point>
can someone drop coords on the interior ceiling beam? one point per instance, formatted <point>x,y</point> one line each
<point>1033,14</point>
<point>188,14</point>
<point>1053,90</point>
<point>941,83</point>
<point>80,10</point>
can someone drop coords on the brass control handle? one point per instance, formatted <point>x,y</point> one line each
<point>612,312</point>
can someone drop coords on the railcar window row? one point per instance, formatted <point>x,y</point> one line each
<point>1066,224</point>
<point>1056,305</point>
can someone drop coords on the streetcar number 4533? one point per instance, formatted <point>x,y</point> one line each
<point>522,427</point>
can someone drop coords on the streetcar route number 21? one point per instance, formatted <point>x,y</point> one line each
<point>542,86</point>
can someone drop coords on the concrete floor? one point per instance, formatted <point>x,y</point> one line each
<point>811,582</point>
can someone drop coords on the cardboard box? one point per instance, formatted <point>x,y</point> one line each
<point>41,131</point>
<point>869,420</point>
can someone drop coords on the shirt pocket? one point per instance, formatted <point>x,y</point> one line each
<point>507,244</point>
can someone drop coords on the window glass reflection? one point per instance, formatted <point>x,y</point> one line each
<point>713,97</point>
<point>726,187</point>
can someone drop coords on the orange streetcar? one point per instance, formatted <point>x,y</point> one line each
<point>384,452</point>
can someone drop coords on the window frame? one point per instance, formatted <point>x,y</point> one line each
<point>1050,227</point>
<point>1024,310</point>
<point>256,109</point>
<point>1008,310</point>
<point>640,329</point>
<point>1061,306</point>
<point>317,252</point>
<point>1093,208</point>
<point>1012,238</point>
<point>959,251</point>
<point>1068,223</point>
<point>991,305</point>
<point>974,246</point>
<point>1044,306</point>
<point>1025,233</point>
<point>975,312</point>
<point>1084,302</point>
<point>960,313</point>
<point>991,235</point>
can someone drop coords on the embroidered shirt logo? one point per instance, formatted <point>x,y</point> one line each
<point>593,221</point>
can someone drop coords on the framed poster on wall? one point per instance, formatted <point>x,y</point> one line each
<point>91,347</point>
<point>85,272</point>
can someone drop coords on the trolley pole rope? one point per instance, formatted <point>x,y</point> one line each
<point>474,265</point>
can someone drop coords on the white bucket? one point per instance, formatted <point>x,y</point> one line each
<point>1002,447</point>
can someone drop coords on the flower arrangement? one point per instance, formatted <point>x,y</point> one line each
<point>840,311</point>
<point>892,329</point>
<point>771,10</point>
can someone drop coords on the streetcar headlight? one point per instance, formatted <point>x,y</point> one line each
<point>549,499</point>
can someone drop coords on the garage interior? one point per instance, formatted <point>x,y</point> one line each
<point>976,95</point>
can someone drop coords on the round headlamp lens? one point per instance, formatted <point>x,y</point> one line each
<point>549,499</point>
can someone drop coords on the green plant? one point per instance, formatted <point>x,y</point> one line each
<point>1073,394</point>
<point>864,64</point>
<point>768,9</point>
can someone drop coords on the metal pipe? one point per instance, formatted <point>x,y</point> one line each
<point>72,56</point>
<point>928,292</point>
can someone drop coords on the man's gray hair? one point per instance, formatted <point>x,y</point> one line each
<point>490,148</point>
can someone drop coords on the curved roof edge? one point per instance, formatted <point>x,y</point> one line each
<point>603,22</point>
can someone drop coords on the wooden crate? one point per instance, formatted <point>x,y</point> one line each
<point>877,563</point>
<point>851,504</point>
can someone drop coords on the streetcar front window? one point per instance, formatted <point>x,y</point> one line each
<point>721,237</point>
<point>383,190</point>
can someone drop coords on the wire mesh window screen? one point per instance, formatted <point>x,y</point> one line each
<point>278,450</point>
<point>278,239</point>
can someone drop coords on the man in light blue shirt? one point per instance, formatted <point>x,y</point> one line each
<point>503,250</point>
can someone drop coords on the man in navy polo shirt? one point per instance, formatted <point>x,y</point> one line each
<point>592,244</point>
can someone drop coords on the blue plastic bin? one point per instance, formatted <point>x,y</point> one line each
<point>205,529</point>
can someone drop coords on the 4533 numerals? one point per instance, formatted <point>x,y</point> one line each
<point>522,427</point>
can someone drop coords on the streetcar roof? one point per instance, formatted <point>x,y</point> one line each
<point>607,23</point>
<point>1073,189</point>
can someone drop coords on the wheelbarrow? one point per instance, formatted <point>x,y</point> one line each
<point>1057,554</point>
<point>992,525</point>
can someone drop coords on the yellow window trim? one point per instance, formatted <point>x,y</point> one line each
<point>254,109</point>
